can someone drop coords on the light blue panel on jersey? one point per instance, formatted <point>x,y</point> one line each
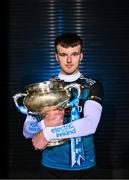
<point>77,150</point>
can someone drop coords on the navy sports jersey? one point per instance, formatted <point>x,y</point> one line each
<point>59,157</point>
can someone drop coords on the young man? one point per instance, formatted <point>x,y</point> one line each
<point>76,157</point>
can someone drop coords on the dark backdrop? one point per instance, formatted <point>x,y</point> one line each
<point>31,27</point>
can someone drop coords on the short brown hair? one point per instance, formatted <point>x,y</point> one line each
<point>68,40</point>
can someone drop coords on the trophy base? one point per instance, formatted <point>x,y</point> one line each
<point>57,142</point>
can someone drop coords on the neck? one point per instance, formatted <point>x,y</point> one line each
<point>69,78</point>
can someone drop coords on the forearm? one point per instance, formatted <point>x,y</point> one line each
<point>32,126</point>
<point>81,127</point>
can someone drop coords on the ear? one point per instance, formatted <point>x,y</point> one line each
<point>81,57</point>
<point>56,57</point>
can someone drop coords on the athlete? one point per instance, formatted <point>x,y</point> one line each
<point>78,124</point>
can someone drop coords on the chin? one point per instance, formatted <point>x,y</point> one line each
<point>69,73</point>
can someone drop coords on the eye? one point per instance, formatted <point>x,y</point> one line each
<point>62,54</point>
<point>75,54</point>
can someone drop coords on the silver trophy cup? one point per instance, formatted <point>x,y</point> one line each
<point>39,98</point>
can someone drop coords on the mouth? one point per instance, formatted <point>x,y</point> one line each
<point>69,66</point>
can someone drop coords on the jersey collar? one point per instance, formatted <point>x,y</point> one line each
<point>69,78</point>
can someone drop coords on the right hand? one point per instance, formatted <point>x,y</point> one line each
<point>39,141</point>
<point>54,118</point>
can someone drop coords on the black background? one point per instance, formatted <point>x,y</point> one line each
<point>28,31</point>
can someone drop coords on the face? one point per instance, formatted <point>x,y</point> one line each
<point>69,59</point>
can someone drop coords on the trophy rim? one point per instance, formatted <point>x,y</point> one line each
<point>47,82</point>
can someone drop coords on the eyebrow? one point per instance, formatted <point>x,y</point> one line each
<point>67,54</point>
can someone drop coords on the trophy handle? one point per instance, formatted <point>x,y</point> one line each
<point>22,109</point>
<point>66,103</point>
<point>74,85</point>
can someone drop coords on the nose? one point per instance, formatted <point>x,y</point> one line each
<point>69,59</point>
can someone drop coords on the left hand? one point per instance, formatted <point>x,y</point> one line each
<point>39,141</point>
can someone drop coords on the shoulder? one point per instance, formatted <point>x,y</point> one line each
<point>95,86</point>
<point>91,81</point>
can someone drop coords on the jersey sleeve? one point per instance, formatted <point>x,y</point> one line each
<point>32,126</point>
<point>96,92</point>
<point>82,127</point>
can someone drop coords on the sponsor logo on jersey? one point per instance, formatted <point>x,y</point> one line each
<point>64,130</point>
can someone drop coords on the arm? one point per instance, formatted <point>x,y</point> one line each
<point>31,125</point>
<point>81,127</point>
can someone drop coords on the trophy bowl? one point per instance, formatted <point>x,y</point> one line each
<point>39,98</point>
<point>44,95</point>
